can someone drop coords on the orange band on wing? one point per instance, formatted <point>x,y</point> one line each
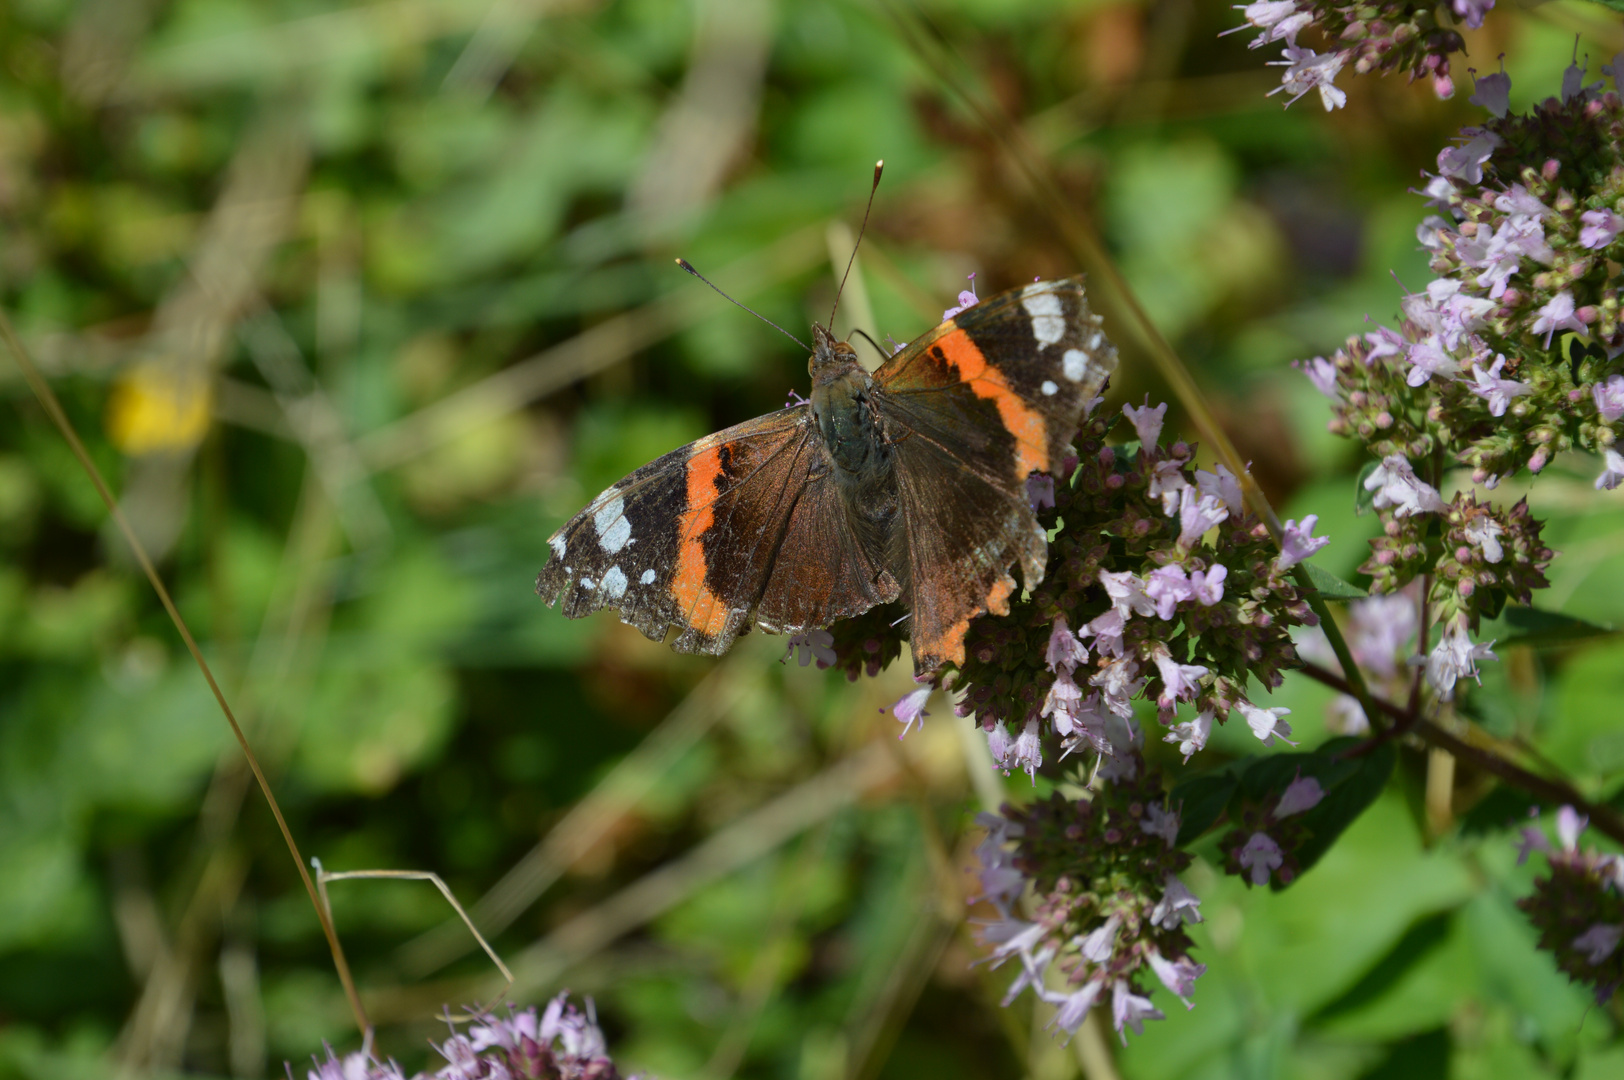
<point>1025,423</point>
<point>703,609</point>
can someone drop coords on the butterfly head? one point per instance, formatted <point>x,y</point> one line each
<point>831,359</point>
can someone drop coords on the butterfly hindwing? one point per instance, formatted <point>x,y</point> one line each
<point>744,524</point>
<point>972,409</point>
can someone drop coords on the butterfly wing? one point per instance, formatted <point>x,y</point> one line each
<point>743,524</point>
<point>972,409</point>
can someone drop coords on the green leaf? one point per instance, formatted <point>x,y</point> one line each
<point>1531,626</point>
<point>1615,5</point>
<point>1200,801</point>
<point>1364,500</point>
<point>1354,791</point>
<point>1332,587</point>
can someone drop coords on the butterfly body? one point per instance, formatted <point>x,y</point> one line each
<point>906,484</point>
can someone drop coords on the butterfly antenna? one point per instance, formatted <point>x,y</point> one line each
<point>879,167</point>
<point>688,266</point>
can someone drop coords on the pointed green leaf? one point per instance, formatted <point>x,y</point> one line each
<point>1332,587</point>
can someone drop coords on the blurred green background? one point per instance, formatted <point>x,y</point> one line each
<point>356,303</point>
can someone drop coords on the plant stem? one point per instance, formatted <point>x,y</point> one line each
<point>1606,820</point>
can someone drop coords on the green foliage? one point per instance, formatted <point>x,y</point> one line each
<point>471,266</point>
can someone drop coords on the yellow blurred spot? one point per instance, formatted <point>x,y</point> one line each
<point>155,409</point>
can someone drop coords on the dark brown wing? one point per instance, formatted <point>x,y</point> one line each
<point>973,408</point>
<point>744,523</point>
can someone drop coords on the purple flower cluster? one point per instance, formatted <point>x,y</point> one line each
<point>1579,908</point>
<point>560,1043</point>
<point>1396,35</point>
<point>1526,250</point>
<point>1107,908</point>
<point>1161,584</point>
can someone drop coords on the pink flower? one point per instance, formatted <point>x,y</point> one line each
<point>1465,162</point>
<point>1493,92</point>
<point>1297,542</point>
<point>1074,1007</point>
<point>1197,514</point>
<point>1147,421</point>
<point>1599,942</point>
<point>1396,485</point>
<point>967,299</point>
<point>1278,19</point>
<point>1178,976</point>
<point>1455,657</point>
<point>1130,1010</point>
<point>1484,533</point>
<point>1222,485</point>
<point>1308,70</point>
<point>1118,681</point>
<point>1207,586</point>
<point>1192,734</point>
<point>1609,397</point>
<point>1065,650</point>
<point>1569,825</point>
<point>1166,481</point>
<point>1496,391</point>
<point>1106,630</point>
<point>1261,856</point>
<point>1101,941</point>
<point>1533,839</point>
<point>812,645</point>
<point>1322,373</point>
<point>1613,473</point>
<point>1303,793</point>
<point>1384,341</point>
<point>1556,315</point>
<point>1127,593</point>
<point>1471,12</point>
<point>999,744</point>
<point>1179,681</point>
<point>1165,587</point>
<point>910,709</point>
<point>1159,821</point>
<point>1266,724</point>
<point>1177,906</point>
<point>1427,358</point>
<point>1028,751</point>
<point>1600,227</point>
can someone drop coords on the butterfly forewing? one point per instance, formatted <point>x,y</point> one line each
<point>702,537</point>
<point>972,409</point>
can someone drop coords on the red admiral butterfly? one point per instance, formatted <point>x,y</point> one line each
<point>908,484</point>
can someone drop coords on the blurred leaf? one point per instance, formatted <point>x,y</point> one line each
<point>1354,785</point>
<point>1517,625</point>
<point>373,718</point>
<point>1200,802</point>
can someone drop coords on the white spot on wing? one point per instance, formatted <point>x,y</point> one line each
<point>647,578</point>
<point>557,544</point>
<point>1076,362</point>
<point>614,584</point>
<point>610,521</point>
<point>588,584</point>
<point>1049,387</point>
<point>1048,319</point>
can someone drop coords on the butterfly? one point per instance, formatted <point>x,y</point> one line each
<point>908,484</point>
